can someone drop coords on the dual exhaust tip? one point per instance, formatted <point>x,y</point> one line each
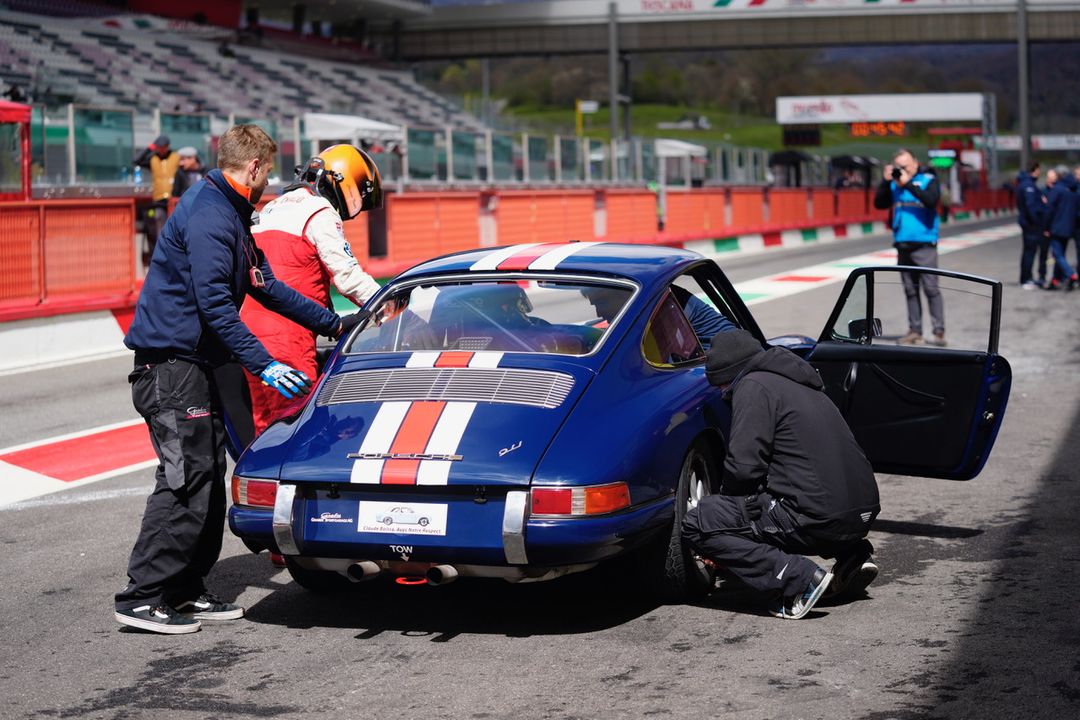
<point>435,575</point>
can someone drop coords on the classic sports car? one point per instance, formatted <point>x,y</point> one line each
<point>544,408</point>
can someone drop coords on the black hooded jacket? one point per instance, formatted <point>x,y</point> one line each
<point>788,439</point>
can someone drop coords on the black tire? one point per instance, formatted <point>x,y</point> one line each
<point>671,573</point>
<point>318,581</point>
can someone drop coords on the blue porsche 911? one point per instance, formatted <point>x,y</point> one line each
<point>530,411</point>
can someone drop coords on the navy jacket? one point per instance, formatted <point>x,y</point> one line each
<point>1030,204</point>
<point>1061,203</point>
<point>189,306</point>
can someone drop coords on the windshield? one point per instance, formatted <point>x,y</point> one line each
<point>539,316</point>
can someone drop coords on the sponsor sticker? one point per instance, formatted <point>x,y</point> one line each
<point>402,518</point>
<point>331,517</point>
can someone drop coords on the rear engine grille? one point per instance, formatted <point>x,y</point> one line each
<point>540,388</point>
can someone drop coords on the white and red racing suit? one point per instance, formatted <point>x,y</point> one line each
<point>305,245</point>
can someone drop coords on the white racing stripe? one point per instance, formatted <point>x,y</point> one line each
<point>492,259</point>
<point>486,360</point>
<point>379,438</point>
<point>551,259</point>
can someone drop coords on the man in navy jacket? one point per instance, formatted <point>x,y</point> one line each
<point>187,322</point>
<point>1031,207</point>
<point>1059,223</point>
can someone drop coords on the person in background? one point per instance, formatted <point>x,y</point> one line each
<point>1059,224</point>
<point>795,482</point>
<point>189,172</point>
<point>187,323</point>
<point>162,162</point>
<point>302,235</point>
<point>912,193</point>
<point>1030,207</point>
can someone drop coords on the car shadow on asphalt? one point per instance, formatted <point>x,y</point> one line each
<point>600,598</point>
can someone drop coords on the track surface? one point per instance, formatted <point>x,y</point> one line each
<point>973,615</point>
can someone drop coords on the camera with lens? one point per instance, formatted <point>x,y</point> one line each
<point>896,174</point>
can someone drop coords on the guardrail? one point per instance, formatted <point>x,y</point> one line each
<point>63,256</point>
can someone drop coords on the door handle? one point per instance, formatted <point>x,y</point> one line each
<point>849,380</point>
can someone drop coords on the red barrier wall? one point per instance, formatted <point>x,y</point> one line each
<point>685,213</point>
<point>823,203</point>
<point>747,209</point>
<point>64,255</point>
<point>852,202</point>
<point>426,225</point>
<point>631,215</point>
<point>788,206</point>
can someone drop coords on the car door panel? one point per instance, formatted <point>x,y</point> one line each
<point>925,411</point>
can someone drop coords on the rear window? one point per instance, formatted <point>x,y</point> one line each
<point>534,316</point>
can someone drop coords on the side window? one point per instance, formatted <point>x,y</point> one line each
<point>669,340</point>
<point>706,311</point>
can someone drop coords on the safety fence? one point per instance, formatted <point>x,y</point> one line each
<point>61,256</point>
<point>66,255</point>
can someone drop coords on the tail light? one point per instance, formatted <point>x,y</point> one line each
<point>576,501</point>
<point>252,492</point>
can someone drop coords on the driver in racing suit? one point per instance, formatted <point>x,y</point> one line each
<point>302,236</point>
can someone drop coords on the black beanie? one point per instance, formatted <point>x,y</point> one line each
<point>728,355</point>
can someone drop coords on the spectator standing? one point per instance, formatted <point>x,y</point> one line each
<point>912,192</point>
<point>795,482</point>
<point>189,171</point>
<point>186,324</point>
<point>1059,224</point>
<point>162,163</point>
<point>1031,206</point>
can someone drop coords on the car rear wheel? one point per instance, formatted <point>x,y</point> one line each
<point>319,581</point>
<point>672,573</point>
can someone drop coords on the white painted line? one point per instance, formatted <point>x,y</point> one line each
<point>71,436</point>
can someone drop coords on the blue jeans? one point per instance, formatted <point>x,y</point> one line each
<point>1057,247</point>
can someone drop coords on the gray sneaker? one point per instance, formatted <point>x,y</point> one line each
<point>797,607</point>
<point>853,572</point>
<point>158,619</point>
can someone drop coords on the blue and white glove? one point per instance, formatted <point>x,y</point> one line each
<point>288,381</point>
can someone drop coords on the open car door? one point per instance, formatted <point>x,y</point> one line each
<point>924,410</point>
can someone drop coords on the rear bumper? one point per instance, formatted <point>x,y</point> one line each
<point>524,542</point>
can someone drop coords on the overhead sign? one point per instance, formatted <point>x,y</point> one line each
<point>1038,142</point>
<point>908,107</point>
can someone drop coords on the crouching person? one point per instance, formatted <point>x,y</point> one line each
<point>794,483</point>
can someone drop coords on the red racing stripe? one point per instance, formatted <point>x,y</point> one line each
<point>802,278</point>
<point>453,360</point>
<point>523,259</point>
<point>85,456</point>
<point>412,437</point>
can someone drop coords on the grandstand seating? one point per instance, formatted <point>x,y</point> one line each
<point>86,61</point>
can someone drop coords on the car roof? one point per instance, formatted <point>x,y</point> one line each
<point>642,263</point>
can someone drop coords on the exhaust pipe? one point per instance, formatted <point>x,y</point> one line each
<point>441,574</point>
<point>363,570</point>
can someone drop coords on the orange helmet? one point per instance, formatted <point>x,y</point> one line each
<point>347,177</point>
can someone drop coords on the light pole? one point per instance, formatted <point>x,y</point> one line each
<point>1022,84</point>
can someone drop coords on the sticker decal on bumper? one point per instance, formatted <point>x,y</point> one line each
<point>402,519</point>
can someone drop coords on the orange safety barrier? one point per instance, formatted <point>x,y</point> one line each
<point>747,207</point>
<point>544,216</point>
<point>62,253</point>
<point>685,213</point>
<point>823,204</point>
<point>426,225</point>
<point>631,215</point>
<point>788,206</point>
<point>853,202</point>
<point>716,209</point>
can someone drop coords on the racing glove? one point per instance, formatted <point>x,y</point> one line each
<point>288,381</point>
<point>348,322</point>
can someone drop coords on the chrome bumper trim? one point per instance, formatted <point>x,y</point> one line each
<point>283,519</point>
<point>515,513</point>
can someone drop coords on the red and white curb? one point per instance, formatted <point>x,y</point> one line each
<point>60,340</point>
<point>75,459</point>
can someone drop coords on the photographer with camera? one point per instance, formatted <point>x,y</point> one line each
<point>913,193</point>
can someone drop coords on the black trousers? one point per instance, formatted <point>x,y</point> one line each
<point>758,540</point>
<point>182,527</point>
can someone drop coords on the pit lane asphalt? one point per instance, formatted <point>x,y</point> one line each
<point>973,615</point>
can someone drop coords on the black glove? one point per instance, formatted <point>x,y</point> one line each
<point>348,322</point>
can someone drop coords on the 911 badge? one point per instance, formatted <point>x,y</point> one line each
<point>402,518</point>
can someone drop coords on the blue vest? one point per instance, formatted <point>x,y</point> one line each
<point>911,220</point>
